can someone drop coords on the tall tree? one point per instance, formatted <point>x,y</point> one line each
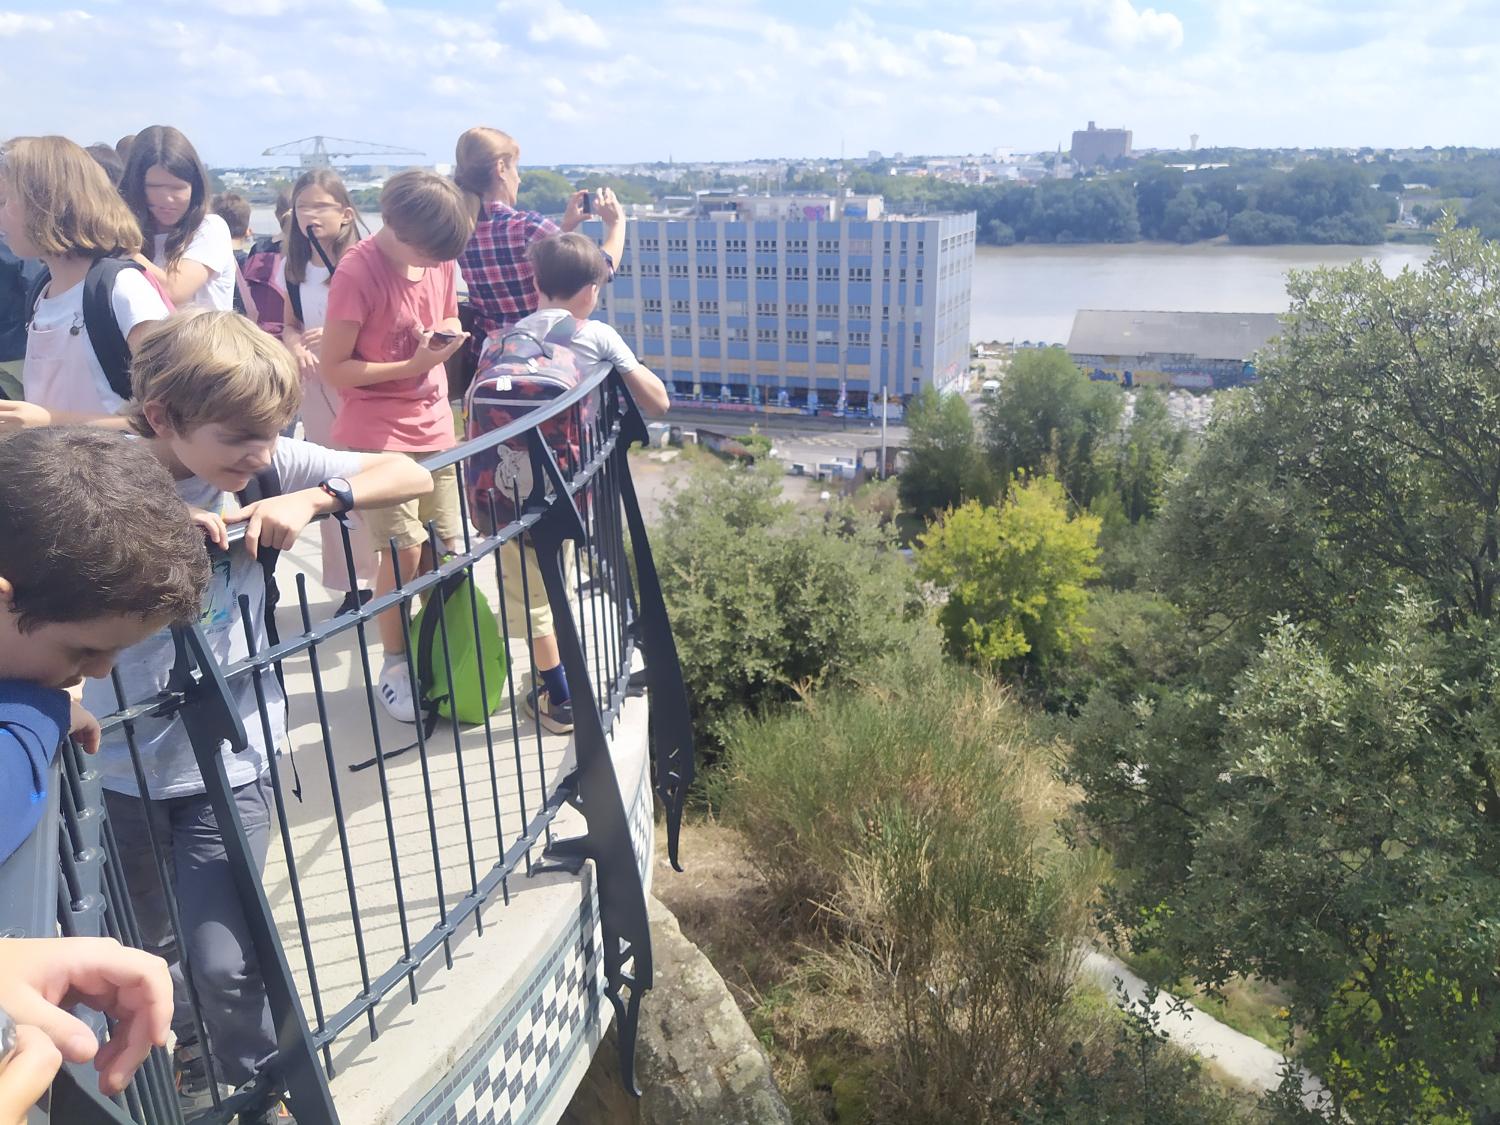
<point>945,465</point>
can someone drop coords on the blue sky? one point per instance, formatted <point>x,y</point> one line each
<point>579,80</point>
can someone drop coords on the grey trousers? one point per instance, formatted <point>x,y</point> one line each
<point>226,973</point>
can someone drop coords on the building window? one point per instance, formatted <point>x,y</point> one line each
<point>828,246</point>
<point>676,246</point>
<point>828,273</point>
<point>859,339</point>
<point>796,308</point>
<point>919,275</point>
<point>765,245</point>
<point>916,337</point>
<point>739,335</point>
<point>709,333</point>
<point>708,308</point>
<point>887,273</point>
<point>859,246</point>
<point>734,245</point>
<point>885,339</point>
<point>709,269</point>
<point>796,246</point>
<point>828,336</point>
<point>765,273</point>
<point>887,245</point>
<point>919,246</point>
<point>653,331</point>
<point>709,244</point>
<point>767,308</point>
<point>903,246</point>
<point>859,273</point>
<point>859,312</point>
<point>677,269</point>
<point>828,310</point>
<point>766,335</point>
<point>796,335</point>
<point>682,306</point>
<point>650,269</point>
<point>682,332</point>
<point>903,274</point>
<point>734,272</point>
<point>649,245</point>
<point>796,273</point>
<point>736,308</point>
<point>652,304</point>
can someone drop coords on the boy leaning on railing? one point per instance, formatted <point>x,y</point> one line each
<point>212,394</point>
<point>96,554</point>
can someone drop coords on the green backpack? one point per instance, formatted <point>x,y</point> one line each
<point>468,703</point>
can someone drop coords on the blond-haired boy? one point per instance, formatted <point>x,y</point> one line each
<point>212,394</point>
<point>392,324</point>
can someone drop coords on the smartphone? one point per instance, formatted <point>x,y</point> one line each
<point>588,203</point>
<point>441,339</point>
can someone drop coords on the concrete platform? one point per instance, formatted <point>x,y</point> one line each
<point>469,1025</point>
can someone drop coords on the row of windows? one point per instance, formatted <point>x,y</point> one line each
<point>764,308</point>
<point>678,271</point>
<point>710,333</point>
<point>793,245</point>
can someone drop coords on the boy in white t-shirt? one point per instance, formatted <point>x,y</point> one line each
<point>569,271</point>
<point>58,205</point>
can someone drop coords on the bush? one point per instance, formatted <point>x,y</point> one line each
<point>1257,228</point>
<point>913,815</point>
<point>764,598</point>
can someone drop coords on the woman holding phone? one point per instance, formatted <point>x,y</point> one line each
<point>188,249</point>
<point>321,226</point>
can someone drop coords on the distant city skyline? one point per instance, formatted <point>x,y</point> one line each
<point>587,82</point>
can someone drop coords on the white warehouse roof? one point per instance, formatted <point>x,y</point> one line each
<point>1225,336</point>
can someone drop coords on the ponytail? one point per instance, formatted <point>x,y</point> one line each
<point>474,163</point>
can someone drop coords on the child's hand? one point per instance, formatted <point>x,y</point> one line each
<point>312,339</point>
<point>40,978</point>
<point>27,1073</point>
<point>607,207</point>
<point>429,355</point>
<point>212,525</point>
<point>277,521</point>
<point>22,416</point>
<point>85,728</point>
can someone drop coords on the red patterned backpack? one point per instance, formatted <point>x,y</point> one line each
<point>518,372</point>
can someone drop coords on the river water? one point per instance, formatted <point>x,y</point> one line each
<point>1031,292</point>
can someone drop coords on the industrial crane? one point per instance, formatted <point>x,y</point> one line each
<point>313,152</point>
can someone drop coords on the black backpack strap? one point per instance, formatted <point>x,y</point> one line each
<point>263,485</point>
<point>38,287</point>
<point>110,346</point>
<point>294,295</point>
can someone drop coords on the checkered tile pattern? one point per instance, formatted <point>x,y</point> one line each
<point>642,817</point>
<point>510,1076</point>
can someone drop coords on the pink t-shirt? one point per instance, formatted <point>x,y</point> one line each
<point>411,415</point>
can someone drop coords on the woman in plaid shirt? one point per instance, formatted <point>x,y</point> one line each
<point>494,265</point>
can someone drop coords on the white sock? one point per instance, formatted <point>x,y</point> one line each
<point>392,660</point>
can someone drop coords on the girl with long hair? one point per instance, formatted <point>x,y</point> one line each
<point>58,205</point>
<point>321,226</point>
<point>167,188</point>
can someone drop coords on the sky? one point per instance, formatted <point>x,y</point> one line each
<point>590,82</point>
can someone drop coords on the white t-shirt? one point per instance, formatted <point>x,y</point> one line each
<point>212,246</point>
<point>63,373</point>
<point>166,754</point>
<point>313,292</point>
<point>594,342</point>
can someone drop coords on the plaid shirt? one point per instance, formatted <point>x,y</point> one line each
<point>495,268</point>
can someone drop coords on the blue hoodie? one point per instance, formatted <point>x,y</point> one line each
<point>33,721</point>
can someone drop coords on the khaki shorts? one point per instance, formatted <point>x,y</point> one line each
<point>534,596</point>
<point>407,523</point>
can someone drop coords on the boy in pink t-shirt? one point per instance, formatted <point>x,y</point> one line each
<point>392,322</point>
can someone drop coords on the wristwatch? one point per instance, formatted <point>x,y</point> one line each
<point>339,489</point>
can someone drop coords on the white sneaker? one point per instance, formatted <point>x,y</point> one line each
<point>394,690</point>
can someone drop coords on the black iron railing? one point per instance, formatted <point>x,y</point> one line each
<point>402,904</point>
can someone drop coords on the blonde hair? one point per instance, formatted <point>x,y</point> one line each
<point>206,366</point>
<point>474,162</point>
<point>427,211</point>
<point>68,205</point>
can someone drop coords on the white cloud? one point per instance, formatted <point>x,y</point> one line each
<point>1117,24</point>
<point>552,21</point>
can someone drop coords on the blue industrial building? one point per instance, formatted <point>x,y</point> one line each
<point>796,313</point>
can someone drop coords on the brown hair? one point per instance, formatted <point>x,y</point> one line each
<point>122,146</point>
<point>164,145</point>
<point>427,211</point>
<point>234,209</point>
<point>69,205</point>
<point>283,204</point>
<point>90,526</point>
<point>204,366</point>
<point>565,263</point>
<point>107,158</point>
<point>297,246</point>
<point>474,160</point>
